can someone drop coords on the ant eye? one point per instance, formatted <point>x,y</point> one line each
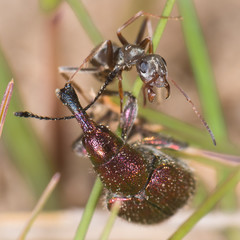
<point>143,67</point>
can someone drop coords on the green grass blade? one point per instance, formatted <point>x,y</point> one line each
<point>49,5</point>
<point>202,69</point>
<point>5,103</point>
<point>89,210</point>
<point>24,149</point>
<point>205,81</point>
<point>162,23</point>
<point>85,20</point>
<point>211,201</point>
<point>113,215</point>
<point>40,204</point>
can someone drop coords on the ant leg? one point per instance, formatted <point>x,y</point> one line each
<point>141,31</point>
<point>89,57</point>
<point>63,71</point>
<point>120,90</point>
<point>148,40</point>
<point>134,18</point>
<point>144,42</point>
<point>126,120</point>
<point>26,114</point>
<point>144,94</point>
<point>110,63</point>
<point>110,57</point>
<point>128,22</point>
<point>116,71</point>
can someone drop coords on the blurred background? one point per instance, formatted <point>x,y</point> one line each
<point>34,42</point>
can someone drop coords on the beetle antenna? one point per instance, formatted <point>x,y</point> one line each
<point>196,111</point>
<point>31,115</point>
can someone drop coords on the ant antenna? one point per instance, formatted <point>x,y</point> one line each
<point>195,110</point>
<point>31,115</point>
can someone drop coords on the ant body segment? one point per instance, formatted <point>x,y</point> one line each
<point>109,61</point>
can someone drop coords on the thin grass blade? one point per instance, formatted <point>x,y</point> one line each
<point>5,103</point>
<point>201,66</point>
<point>210,202</point>
<point>40,204</point>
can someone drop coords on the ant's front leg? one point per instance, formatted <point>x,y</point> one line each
<point>65,70</point>
<point>120,90</point>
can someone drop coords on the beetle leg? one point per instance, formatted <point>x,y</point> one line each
<point>158,142</point>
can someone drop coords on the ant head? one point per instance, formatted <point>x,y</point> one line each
<point>129,55</point>
<point>152,69</point>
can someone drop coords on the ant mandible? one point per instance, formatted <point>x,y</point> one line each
<point>109,61</point>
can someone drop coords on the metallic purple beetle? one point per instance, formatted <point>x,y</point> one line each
<point>151,185</point>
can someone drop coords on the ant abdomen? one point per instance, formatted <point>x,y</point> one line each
<point>169,185</point>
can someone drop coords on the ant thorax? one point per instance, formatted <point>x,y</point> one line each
<point>128,55</point>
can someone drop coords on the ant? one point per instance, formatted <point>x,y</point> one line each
<point>150,185</point>
<point>109,60</point>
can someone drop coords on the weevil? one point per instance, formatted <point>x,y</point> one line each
<point>150,185</point>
